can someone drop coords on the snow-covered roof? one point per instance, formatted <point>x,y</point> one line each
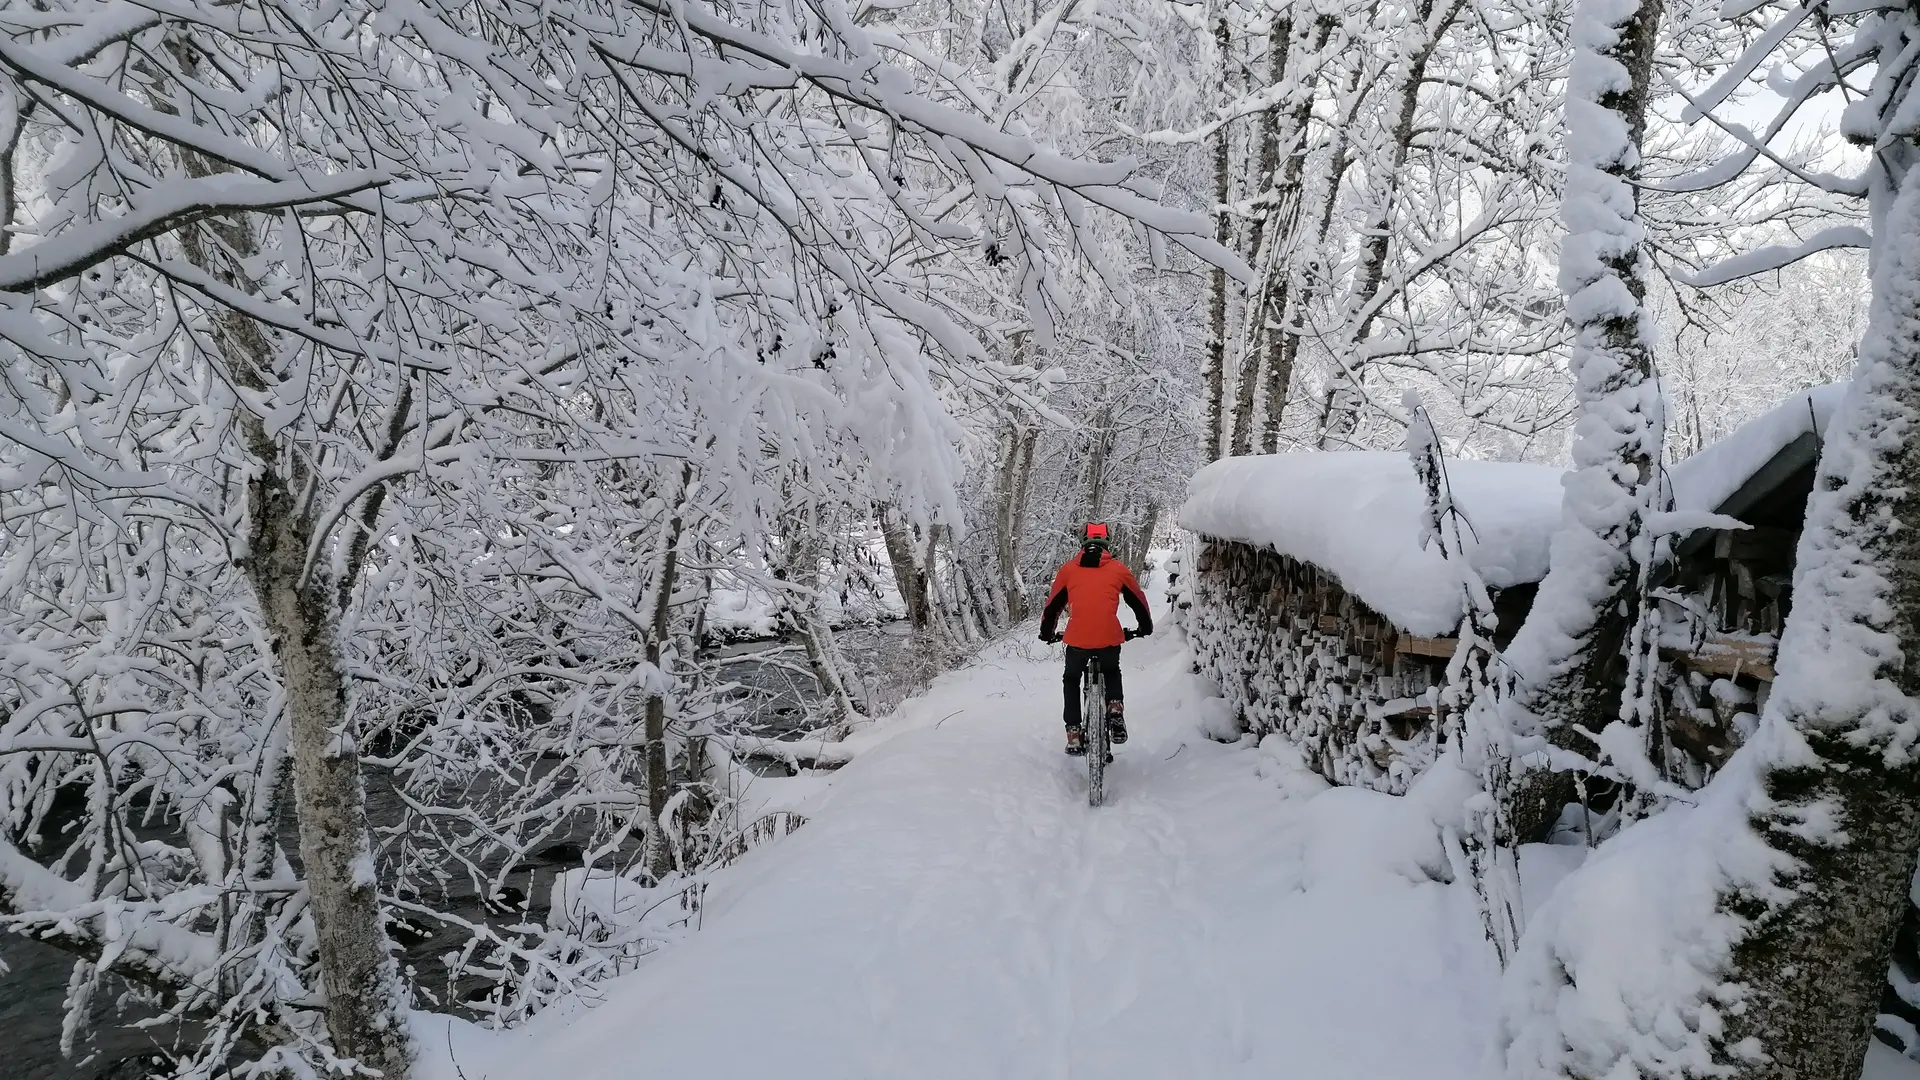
<point>1706,480</point>
<point>1357,515</point>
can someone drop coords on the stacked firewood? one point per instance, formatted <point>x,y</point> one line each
<point>1298,655</point>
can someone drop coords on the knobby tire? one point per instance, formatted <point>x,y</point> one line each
<point>1093,717</point>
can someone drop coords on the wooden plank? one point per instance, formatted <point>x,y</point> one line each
<point>1728,656</point>
<point>1415,645</point>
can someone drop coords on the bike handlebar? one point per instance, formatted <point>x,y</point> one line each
<point>1126,635</point>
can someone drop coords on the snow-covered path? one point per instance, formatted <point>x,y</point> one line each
<point>954,909</point>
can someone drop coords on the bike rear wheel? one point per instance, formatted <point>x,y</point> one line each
<point>1093,717</point>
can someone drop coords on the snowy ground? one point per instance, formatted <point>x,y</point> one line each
<point>955,910</point>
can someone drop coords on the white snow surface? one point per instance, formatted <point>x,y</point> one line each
<point>1705,480</point>
<point>953,909</point>
<point>1357,515</point>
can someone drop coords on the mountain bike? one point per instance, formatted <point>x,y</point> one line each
<point>1093,719</point>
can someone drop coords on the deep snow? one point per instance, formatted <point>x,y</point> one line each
<point>1357,514</point>
<point>953,909</point>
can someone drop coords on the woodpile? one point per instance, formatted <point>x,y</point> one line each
<point>1298,655</point>
<point>1732,592</point>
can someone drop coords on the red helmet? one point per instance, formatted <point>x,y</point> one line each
<point>1096,531</point>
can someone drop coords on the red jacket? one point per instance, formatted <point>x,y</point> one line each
<point>1094,594</point>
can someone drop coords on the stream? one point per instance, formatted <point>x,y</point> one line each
<point>33,977</point>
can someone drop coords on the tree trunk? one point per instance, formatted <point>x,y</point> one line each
<point>1097,463</point>
<point>801,611</point>
<point>944,609</point>
<point>1018,606</point>
<point>365,1011</point>
<point>1217,280</point>
<point>1265,233</point>
<point>1281,344</point>
<point>1816,964</point>
<point>1363,306</point>
<point>660,854</point>
<point>1570,642</point>
<point>983,615</point>
<point>906,575</point>
<point>366,1001</point>
<point>1141,538</point>
<point>1304,292</point>
<point>1013,483</point>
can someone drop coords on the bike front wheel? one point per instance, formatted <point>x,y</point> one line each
<point>1093,716</point>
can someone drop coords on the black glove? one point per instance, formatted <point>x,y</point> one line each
<point>1049,638</point>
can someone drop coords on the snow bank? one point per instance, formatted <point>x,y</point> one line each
<point>1886,1063</point>
<point>740,614</point>
<point>597,904</point>
<point>1707,479</point>
<point>1357,516</point>
<point>1622,968</point>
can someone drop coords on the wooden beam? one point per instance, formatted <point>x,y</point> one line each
<point>1415,645</point>
<point>1728,656</point>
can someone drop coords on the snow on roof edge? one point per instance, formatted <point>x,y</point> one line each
<point>1356,515</point>
<point>1706,479</point>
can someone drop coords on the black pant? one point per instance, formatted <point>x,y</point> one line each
<point>1077,661</point>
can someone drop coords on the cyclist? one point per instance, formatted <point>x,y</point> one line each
<point>1092,584</point>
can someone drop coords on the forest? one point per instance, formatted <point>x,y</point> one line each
<point>406,407</point>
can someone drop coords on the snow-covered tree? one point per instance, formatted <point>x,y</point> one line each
<point>380,372</point>
<point>1762,919</point>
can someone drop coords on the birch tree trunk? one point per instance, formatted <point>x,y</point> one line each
<point>366,1001</point>
<point>1815,962</point>
<point>1268,137</point>
<point>1309,273</point>
<point>1282,234</point>
<point>1216,361</point>
<point>1018,606</point>
<point>1017,450</point>
<point>906,573</point>
<point>805,620</point>
<point>1365,301</point>
<point>1097,463</point>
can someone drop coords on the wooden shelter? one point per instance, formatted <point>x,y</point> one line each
<point>1321,616</point>
<point>1727,595</point>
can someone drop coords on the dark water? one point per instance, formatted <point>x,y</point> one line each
<point>33,987</point>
